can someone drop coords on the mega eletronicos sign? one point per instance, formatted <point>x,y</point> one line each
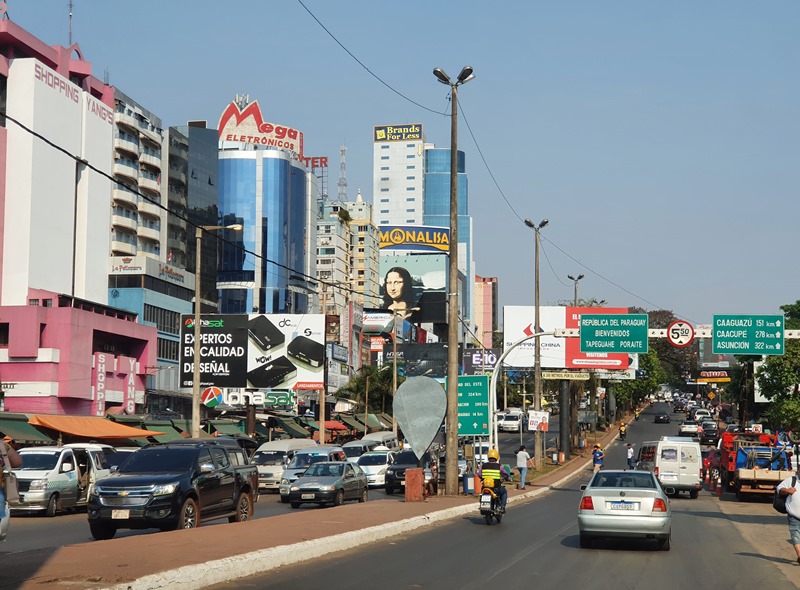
<point>248,126</point>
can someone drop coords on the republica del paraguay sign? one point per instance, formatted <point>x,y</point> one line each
<point>415,238</point>
<point>614,333</point>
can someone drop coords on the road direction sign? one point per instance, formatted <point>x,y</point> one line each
<point>473,405</point>
<point>680,333</point>
<point>747,334</point>
<point>614,332</point>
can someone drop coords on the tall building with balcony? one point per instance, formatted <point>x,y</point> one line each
<point>63,346</point>
<point>137,217</point>
<point>334,256</point>
<point>486,309</point>
<point>398,160</point>
<point>365,249</point>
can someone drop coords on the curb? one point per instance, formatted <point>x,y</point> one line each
<point>259,562</point>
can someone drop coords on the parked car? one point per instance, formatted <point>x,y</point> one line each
<point>662,418</point>
<point>374,465</point>
<point>710,433</point>
<point>174,485</point>
<point>329,482</point>
<point>272,457</point>
<point>119,455</point>
<point>396,473</point>
<point>355,448</point>
<point>54,478</point>
<point>625,504</point>
<point>711,464</point>
<point>689,428</point>
<point>675,461</point>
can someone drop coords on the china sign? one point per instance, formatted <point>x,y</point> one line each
<point>248,126</point>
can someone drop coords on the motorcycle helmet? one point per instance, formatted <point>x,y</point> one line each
<point>493,455</point>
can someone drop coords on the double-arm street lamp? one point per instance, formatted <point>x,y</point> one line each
<point>198,235</point>
<point>451,443</point>
<point>575,282</point>
<point>538,440</point>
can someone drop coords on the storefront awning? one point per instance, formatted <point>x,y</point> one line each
<point>376,422</point>
<point>21,432</point>
<point>329,425</point>
<point>170,432</point>
<point>186,426</point>
<point>350,421</point>
<point>292,428</point>
<point>89,427</point>
<point>227,427</point>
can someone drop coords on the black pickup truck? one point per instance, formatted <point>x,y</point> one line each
<point>174,485</point>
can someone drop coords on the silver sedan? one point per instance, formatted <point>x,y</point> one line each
<point>625,504</point>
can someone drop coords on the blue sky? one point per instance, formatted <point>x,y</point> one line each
<point>659,139</point>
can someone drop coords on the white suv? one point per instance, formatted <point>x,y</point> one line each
<point>511,423</point>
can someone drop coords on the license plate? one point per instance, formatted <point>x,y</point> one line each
<point>120,514</point>
<point>403,483</point>
<point>306,496</point>
<point>624,506</point>
<point>669,477</point>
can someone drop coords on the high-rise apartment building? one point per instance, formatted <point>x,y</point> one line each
<point>486,309</point>
<point>364,252</point>
<point>398,174</point>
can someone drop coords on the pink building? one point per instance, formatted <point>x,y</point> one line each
<point>62,349</point>
<point>486,302</point>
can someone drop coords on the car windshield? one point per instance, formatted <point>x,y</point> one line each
<point>709,426</point>
<point>40,461</point>
<point>353,452</point>
<point>623,480</point>
<point>306,459</point>
<point>160,459</point>
<point>378,459</point>
<point>325,470</point>
<point>689,423</point>
<point>118,457</point>
<point>409,458</point>
<point>268,457</point>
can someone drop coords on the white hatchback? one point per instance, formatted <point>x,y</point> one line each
<point>374,464</point>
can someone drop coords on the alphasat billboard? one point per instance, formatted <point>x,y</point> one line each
<point>555,353</point>
<point>279,351</point>
<point>248,126</point>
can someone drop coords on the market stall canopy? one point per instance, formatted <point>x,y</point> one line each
<point>16,427</point>
<point>292,428</point>
<point>186,427</point>
<point>329,425</point>
<point>229,427</point>
<point>90,427</point>
<point>350,421</point>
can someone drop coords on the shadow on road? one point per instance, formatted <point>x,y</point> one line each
<point>769,558</point>
<point>740,518</point>
<point>25,566</point>
<point>573,541</point>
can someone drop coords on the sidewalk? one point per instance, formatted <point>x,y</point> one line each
<point>213,554</point>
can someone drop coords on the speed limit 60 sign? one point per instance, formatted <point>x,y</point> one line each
<point>680,333</point>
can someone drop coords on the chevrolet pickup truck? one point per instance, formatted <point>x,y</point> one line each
<point>175,485</point>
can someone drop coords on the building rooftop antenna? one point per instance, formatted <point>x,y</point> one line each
<point>241,100</point>
<point>70,24</point>
<point>342,183</point>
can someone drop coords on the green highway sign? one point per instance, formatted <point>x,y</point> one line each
<point>747,334</point>
<point>607,332</point>
<point>473,405</point>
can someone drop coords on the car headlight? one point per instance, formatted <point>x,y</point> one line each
<point>382,471</point>
<point>165,489</point>
<point>38,484</point>
<point>284,481</point>
<point>390,472</point>
<point>327,488</point>
<point>294,489</point>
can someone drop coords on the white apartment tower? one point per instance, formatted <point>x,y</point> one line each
<point>398,174</point>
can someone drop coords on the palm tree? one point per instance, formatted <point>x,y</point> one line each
<point>379,382</point>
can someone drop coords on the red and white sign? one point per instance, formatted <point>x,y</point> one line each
<point>248,126</point>
<point>680,333</point>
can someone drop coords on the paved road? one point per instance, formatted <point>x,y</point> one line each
<point>537,545</point>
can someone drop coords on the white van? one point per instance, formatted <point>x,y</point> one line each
<point>387,438</point>
<point>272,457</point>
<point>676,461</point>
<point>53,478</point>
<point>355,448</point>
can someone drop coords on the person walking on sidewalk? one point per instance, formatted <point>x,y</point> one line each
<point>597,458</point>
<point>788,488</point>
<point>522,465</point>
<point>630,456</point>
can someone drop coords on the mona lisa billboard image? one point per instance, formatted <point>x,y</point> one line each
<point>414,286</point>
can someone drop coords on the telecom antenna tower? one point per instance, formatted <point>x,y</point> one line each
<point>342,183</point>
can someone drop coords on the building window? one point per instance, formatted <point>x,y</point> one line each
<point>33,302</point>
<point>384,157</point>
<point>410,221</point>
<point>411,156</point>
<point>412,167</point>
<point>384,167</point>
<point>167,349</point>
<point>411,188</point>
<point>385,178</point>
<point>384,211</point>
<point>410,145</point>
<point>411,177</point>
<point>165,320</point>
<point>382,201</point>
<point>411,199</point>
<point>410,210</point>
<point>384,190</point>
<point>385,146</point>
<point>4,335</point>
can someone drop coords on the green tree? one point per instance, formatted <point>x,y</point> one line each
<point>779,377</point>
<point>650,375</point>
<point>380,387</point>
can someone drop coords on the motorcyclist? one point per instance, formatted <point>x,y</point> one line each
<point>623,430</point>
<point>493,469</point>
<point>636,414</point>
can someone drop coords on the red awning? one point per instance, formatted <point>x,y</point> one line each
<point>335,425</point>
<point>90,427</point>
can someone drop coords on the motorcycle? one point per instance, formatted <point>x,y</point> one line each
<point>490,502</point>
<point>622,433</point>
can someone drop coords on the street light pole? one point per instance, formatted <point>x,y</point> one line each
<point>198,236</point>
<point>575,281</point>
<point>537,351</point>
<point>451,442</point>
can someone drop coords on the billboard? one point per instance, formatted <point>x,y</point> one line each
<point>414,238</point>
<point>410,132</point>
<point>248,126</point>
<point>415,281</point>
<point>276,351</point>
<point>480,361</point>
<point>556,353</point>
